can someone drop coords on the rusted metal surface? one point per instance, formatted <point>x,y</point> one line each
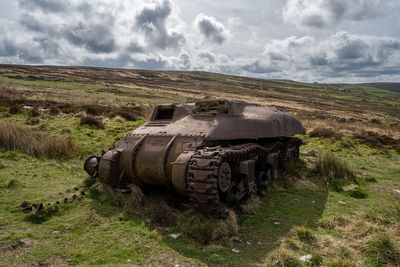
<point>213,152</point>
<point>237,121</point>
<point>179,171</point>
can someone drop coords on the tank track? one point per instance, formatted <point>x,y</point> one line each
<point>203,171</point>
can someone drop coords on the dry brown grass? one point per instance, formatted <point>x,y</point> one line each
<point>383,247</point>
<point>330,223</point>
<point>341,263</point>
<point>323,132</point>
<point>251,205</point>
<point>368,133</point>
<point>25,139</point>
<point>377,140</point>
<point>304,234</point>
<point>55,110</point>
<point>92,121</point>
<point>346,128</point>
<point>283,258</point>
<point>12,97</point>
<point>130,201</point>
<point>208,230</point>
<point>334,171</point>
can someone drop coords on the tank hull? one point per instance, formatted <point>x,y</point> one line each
<point>214,155</point>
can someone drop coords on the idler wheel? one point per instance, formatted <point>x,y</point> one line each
<point>224,177</point>
<point>91,166</point>
<point>230,198</point>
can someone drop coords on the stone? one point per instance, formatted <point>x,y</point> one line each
<point>311,153</point>
<point>306,258</point>
<point>175,236</point>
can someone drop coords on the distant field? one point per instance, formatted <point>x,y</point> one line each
<point>89,108</point>
<point>120,87</point>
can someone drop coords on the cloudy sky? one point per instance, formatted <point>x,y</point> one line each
<point>304,40</point>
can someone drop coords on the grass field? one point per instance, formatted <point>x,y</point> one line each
<point>300,216</point>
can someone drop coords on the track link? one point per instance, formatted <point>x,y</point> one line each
<point>203,171</point>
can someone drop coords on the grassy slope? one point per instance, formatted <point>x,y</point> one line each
<point>90,232</point>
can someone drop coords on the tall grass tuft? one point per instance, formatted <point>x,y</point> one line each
<point>382,246</point>
<point>14,136</point>
<point>386,213</point>
<point>92,121</point>
<point>334,171</point>
<point>323,132</point>
<point>304,234</point>
<point>207,230</point>
<point>341,263</point>
<point>283,258</point>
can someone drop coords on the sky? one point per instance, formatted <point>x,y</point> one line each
<point>302,40</point>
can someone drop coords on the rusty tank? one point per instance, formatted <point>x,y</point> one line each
<point>214,153</point>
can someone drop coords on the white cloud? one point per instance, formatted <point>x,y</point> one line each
<point>318,14</point>
<point>157,34</point>
<point>77,32</point>
<point>211,29</point>
<point>343,55</point>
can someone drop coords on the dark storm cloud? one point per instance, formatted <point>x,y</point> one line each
<point>184,59</point>
<point>7,48</point>
<point>96,38</point>
<point>48,47</point>
<point>211,29</point>
<point>155,34</point>
<point>31,52</point>
<point>134,47</point>
<point>358,51</point>
<point>32,24</point>
<point>276,56</point>
<point>54,6</point>
<point>77,31</point>
<point>152,22</point>
<point>318,60</point>
<point>34,51</point>
<point>353,50</point>
<point>342,55</point>
<point>327,13</point>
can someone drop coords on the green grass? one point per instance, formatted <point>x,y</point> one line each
<point>83,232</point>
<point>298,216</point>
<point>92,232</point>
<point>372,90</point>
<point>66,85</point>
